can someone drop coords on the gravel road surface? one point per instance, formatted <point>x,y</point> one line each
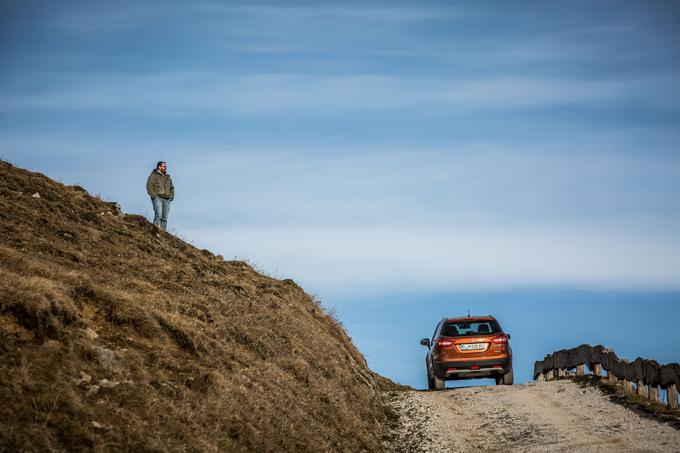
<point>536,417</point>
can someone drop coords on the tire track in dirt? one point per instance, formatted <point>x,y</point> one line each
<point>535,417</point>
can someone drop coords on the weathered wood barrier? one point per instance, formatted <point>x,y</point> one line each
<point>640,376</point>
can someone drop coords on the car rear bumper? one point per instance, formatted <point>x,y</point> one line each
<point>470,369</point>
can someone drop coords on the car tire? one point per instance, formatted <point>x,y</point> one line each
<point>439,384</point>
<point>508,378</point>
<point>430,382</point>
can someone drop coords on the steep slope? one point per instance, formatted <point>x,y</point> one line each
<point>116,336</point>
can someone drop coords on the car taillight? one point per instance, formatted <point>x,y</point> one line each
<point>443,344</point>
<point>500,339</point>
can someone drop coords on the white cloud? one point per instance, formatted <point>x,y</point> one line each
<point>485,217</point>
<point>320,12</point>
<point>189,93</point>
<point>474,183</point>
<point>89,17</point>
<point>364,260</point>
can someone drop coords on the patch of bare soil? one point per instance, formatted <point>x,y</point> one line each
<point>536,417</point>
<point>115,336</point>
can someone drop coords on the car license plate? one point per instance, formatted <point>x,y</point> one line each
<point>473,347</point>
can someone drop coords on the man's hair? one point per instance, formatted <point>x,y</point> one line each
<point>159,163</point>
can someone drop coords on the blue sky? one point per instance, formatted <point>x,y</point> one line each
<point>403,161</point>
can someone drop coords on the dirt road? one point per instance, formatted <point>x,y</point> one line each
<point>536,417</point>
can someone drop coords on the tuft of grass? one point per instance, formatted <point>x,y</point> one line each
<point>37,304</point>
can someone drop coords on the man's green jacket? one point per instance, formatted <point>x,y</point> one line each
<point>160,185</point>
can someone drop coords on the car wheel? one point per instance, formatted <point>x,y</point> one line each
<point>430,382</point>
<point>508,378</point>
<point>439,384</point>
<point>499,379</point>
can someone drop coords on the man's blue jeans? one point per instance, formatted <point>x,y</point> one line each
<point>161,209</point>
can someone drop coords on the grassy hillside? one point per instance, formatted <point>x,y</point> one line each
<point>117,336</point>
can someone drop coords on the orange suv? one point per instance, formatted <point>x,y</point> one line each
<point>468,348</point>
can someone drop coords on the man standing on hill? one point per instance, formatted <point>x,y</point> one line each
<point>162,192</point>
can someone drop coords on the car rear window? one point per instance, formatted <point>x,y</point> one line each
<point>463,328</point>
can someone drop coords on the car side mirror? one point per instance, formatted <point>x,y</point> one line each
<point>508,336</point>
<point>425,342</point>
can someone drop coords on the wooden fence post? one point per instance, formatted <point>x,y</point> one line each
<point>597,369</point>
<point>654,393</point>
<point>641,389</point>
<point>550,375</point>
<point>627,387</point>
<point>580,369</point>
<point>672,396</point>
<point>541,377</point>
<point>611,377</point>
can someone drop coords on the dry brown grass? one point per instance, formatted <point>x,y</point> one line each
<point>205,355</point>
